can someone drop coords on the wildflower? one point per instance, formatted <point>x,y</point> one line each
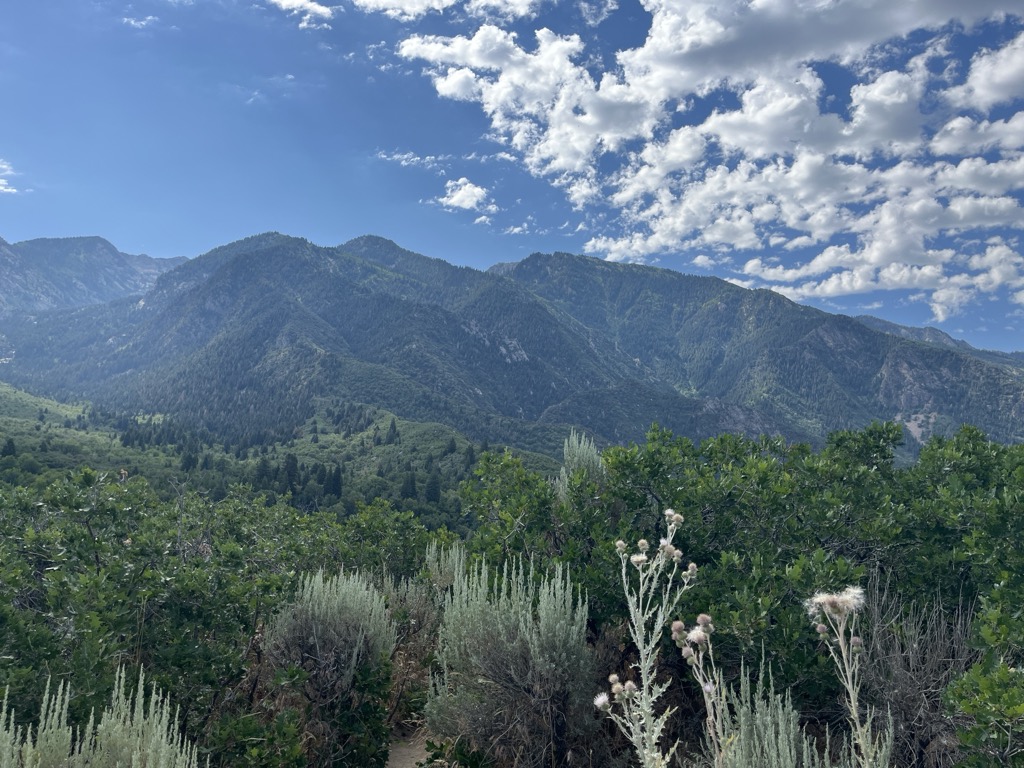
<point>678,628</point>
<point>613,679</point>
<point>821,629</point>
<point>704,620</point>
<point>836,605</point>
<point>638,560</point>
<point>687,652</point>
<point>669,514</point>
<point>601,701</point>
<point>697,636</point>
<point>691,569</point>
<point>856,644</point>
<point>642,545</point>
<point>620,546</point>
<point>677,518</point>
<point>708,688</point>
<point>629,688</point>
<point>618,688</point>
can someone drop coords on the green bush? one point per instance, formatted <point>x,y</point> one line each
<point>516,670</point>
<point>328,659</point>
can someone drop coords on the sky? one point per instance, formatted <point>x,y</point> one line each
<point>860,156</point>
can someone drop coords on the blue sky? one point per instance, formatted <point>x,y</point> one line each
<point>862,156</point>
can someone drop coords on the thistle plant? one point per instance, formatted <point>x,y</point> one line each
<point>835,618</point>
<point>653,581</point>
<point>696,647</point>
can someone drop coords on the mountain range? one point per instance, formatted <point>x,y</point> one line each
<point>250,339</point>
<point>70,272</point>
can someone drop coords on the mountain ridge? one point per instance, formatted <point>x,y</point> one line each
<point>62,273</point>
<point>245,338</point>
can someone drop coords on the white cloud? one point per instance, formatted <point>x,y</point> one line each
<point>995,77</point>
<point>404,10</point>
<point>409,10</point>
<point>963,134</point>
<point>719,134</point>
<point>466,195</point>
<point>314,15</point>
<point>594,12</point>
<point>6,171</point>
<point>140,23</point>
<point>434,163</point>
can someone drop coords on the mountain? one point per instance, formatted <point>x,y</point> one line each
<point>69,272</point>
<point>940,338</point>
<point>248,339</point>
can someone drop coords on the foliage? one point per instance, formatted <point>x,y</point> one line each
<point>327,657</point>
<point>993,695</point>
<point>763,730</point>
<point>130,731</point>
<point>514,667</point>
<point>581,464</point>
<point>99,572</point>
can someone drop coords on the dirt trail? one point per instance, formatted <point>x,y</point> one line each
<point>405,753</point>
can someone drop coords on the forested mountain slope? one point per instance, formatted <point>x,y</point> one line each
<point>244,339</point>
<point>51,273</point>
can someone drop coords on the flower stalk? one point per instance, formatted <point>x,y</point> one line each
<point>835,618</point>
<point>653,581</point>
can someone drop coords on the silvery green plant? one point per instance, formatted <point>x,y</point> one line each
<point>335,643</point>
<point>132,731</point>
<point>761,729</point>
<point>514,667</point>
<point>653,581</point>
<point>835,615</point>
<point>580,454</point>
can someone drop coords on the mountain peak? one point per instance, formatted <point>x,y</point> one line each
<point>50,273</point>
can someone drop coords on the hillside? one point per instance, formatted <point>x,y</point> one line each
<point>53,273</point>
<point>246,339</point>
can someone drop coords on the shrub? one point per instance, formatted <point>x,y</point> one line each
<point>328,658</point>
<point>515,668</point>
<point>914,652</point>
<point>763,730</point>
<point>131,731</point>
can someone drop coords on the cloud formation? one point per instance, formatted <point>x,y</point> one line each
<point>823,146</point>
<point>6,171</point>
<point>142,23</point>
<point>313,15</point>
<point>468,196</point>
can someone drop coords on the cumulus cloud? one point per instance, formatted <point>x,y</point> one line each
<point>995,77</point>
<point>466,195</point>
<point>721,133</point>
